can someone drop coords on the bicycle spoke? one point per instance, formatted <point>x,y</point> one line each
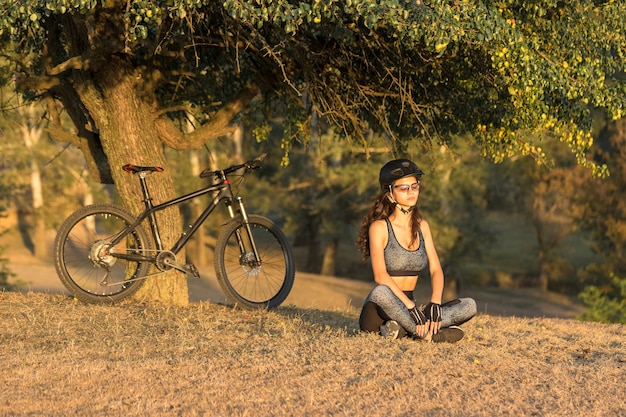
<point>85,259</point>
<point>252,284</point>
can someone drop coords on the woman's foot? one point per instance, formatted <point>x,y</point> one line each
<point>450,334</point>
<point>390,329</point>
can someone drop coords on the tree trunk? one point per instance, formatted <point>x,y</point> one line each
<point>314,244</point>
<point>40,238</point>
<point>31,132</point>
<point>236,138</point>
<point>120,110</point>
<point>198,251</point>
<point>330,256</point>
<point>544,279</point>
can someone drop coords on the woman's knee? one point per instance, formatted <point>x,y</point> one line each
<point>458,311</point>
<point>380,294</point>
<point>468,305</point>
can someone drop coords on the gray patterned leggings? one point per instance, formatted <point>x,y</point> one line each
<point>382,305</point>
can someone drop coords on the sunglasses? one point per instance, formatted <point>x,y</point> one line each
<point>406,187</point>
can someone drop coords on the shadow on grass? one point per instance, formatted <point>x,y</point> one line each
<point>346,321</point>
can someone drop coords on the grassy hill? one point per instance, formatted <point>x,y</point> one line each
<point>60,357</point>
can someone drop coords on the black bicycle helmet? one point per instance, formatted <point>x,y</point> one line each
<point>396,169</point>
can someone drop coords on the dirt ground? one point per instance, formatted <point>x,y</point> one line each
<point>309,290</point>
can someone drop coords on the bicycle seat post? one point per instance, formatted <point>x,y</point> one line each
<point>147,200</point>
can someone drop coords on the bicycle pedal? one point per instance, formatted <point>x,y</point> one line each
<point>187,269</point>
<point>191,269</point>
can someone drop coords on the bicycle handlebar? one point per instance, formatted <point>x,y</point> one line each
<point>248,165</point>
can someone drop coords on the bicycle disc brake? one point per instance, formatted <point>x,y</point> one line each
<point>249,264</point>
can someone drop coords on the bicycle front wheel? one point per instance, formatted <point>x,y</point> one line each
<point>85,259</point>
<point>252,283</point>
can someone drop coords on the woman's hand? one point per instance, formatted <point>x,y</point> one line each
<point>421,328</point>
<point>422,331</point>
<point>433,315</point>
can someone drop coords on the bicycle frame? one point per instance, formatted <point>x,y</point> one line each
<point>224,193</point>
<point>102,253</point>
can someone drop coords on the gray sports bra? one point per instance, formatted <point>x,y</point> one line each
<point>400,261</point>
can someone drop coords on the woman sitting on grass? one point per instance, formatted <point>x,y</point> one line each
<point>399,242</point>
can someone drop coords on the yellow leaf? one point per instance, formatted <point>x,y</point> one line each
<point>440,46</point>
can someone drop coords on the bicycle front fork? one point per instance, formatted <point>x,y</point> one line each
<point>240,240</point>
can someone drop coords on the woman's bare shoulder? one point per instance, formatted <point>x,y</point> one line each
<point>378,227</point>
<point>378,224</point>
<point>425,227</point>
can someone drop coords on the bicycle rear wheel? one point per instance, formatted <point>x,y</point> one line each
<point>253,285</point>
<point>82,254</point>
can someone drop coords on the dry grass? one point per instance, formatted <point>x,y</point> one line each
<point>60,357</point>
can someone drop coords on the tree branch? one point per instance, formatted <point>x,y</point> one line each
<point>217,127</point>
<point>76,62</point>
<point>62,135</point>
<point>25,82</point>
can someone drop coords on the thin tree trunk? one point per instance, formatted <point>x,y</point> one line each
<point>198,250</point>
<point>544,279</point>
<point>237,142</point>
<point>31,132</point>
<point>314,244</point>
<point>330,256</point>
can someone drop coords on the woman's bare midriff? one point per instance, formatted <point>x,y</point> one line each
<point>406,283</point>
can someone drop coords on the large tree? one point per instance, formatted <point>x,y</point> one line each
<point>416,70</point>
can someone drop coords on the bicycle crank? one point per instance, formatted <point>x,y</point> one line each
<point>166,261</point>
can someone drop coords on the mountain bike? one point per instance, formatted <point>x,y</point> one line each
<point>103,253</point>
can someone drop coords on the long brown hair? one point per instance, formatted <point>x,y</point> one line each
<point>383,208</point>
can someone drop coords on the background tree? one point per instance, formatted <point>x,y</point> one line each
<point>5,272</point>
<point>454,199</point>
<point>418,71</point>
<point>553,215</point>
<point>605,217</point>
<point>549,198</point>
<point>5,197</point>
<point>42,179</point>
<point>323,192</point>
<point>31,130</point>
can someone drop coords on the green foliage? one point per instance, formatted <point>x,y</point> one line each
<point>328,186</point>
<point>607,303</point>
<point>504,70</point>
<point>511,71</point>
